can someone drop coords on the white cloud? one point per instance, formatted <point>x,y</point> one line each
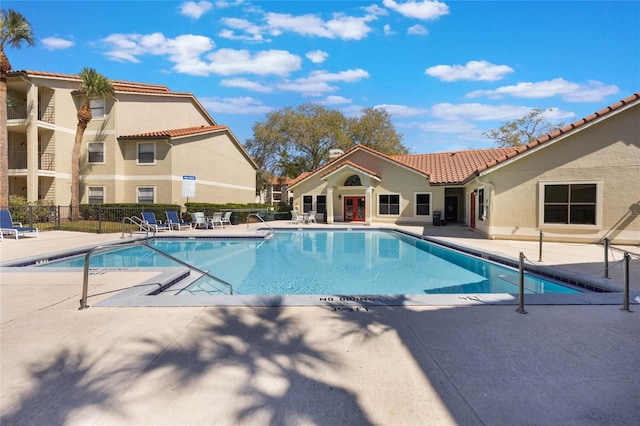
<point>341,26</point>
<point>231,61</point>
<point>484,112</point>
<point>402,111</point>
<point>591,91</point>
<point>473,70</point>
<point>335,100</point>
<point>417,30</point>
<point>184,50</point>
<point>451,127</point>
<point>242,105</point>
<point>194,9</point>
<point>252,31</point>
<point>388,30</point>
<point>317,56</point>
<point>317,83</point>
<point>243,83</point>
<point>425,9</point>
<point>56,43</point>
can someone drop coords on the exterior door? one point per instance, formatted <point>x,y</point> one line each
<point>354,209</point>
<point>472,211</point>
<point>451,208</point>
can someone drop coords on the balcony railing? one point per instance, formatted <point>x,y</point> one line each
<point>19,111</point>
<point>18,160</point>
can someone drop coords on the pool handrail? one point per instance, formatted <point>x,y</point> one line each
<point>141,224</point>
<point>85,280</point>
<point>261,219</point>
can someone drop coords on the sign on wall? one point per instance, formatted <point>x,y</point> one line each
<point>188,186</point>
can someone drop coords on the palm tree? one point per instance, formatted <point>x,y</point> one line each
<point>94,86</point>
<point>14,29</point>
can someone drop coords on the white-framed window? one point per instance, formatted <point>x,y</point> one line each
<point>95,152</point>
<point>388,204</point>
<point>307,203</point>
<point>321,203</point>
<point>95,195</point>
<point>423,203</point>
<point>146,194</point>
<point>97,108</point>
<point>146,152</point>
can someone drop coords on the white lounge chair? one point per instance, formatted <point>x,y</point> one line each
<point>200,220</point>
<point>226,219</point>
<point>311,217</point>
<point>296,217</point>
<point>216,220</point>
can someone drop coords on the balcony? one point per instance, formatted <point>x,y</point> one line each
<point>19,111</point>
<point>18,160</point>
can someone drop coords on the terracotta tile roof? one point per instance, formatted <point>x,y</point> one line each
<point>353,165</point>
<point>452,167</point>
<point>281,180</point>
<point>174,133</point>
<point>124,87</point>
<point>567,129</point>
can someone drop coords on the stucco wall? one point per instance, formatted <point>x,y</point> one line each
<point>607,152</point>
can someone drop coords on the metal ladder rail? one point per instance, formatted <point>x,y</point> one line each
<point>85,280</point>
<point>261,219</point>
<point>142,225</point>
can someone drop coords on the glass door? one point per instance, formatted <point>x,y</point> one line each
<point>354,209</point>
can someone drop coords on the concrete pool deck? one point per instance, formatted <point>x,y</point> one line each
<point>333,365</point>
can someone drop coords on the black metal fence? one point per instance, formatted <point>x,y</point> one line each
<point>106,219</point>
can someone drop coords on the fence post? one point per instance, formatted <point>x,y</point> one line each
<point>540,249</point>
<point>606,258</point>
<point>99,220</point>
<point>521,292</point>
<point>625,270</point>
<point>30,215</point>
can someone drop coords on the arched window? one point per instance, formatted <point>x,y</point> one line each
<point>353,180</point>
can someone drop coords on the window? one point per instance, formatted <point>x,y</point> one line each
<point>423,204</point>
<point>573,204</point>
<point>146,195</point>
<point>353,180</point>
<point>146,153</point>
<point>321,203</point>
<point>388,204</point>
<point>481,215</point>
<point>307,203</point>
<point>97,108</point>
<point>96,152</point>
<point>96,195</point>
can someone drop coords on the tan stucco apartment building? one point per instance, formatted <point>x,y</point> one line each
<point>580,183</point>
<point>139,147</point>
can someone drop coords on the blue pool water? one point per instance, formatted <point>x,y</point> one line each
<point>328,262</point>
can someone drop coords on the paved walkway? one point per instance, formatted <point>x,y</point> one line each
<point>326,365</point>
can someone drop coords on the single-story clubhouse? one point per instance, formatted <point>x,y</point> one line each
<point>578,184</point>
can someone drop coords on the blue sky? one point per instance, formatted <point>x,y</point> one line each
<point>445,71</point>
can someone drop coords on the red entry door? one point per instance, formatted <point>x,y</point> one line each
<point>472,211</point>
<point>354,209</point>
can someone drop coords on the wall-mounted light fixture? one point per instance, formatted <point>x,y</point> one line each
<point>475,191</point>
<point>339,196</point>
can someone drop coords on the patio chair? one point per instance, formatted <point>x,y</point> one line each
<point>226,219</point>
<point>296,217</point>
<point>216,220</point>
<point>7,226</point>
<point>175,222</point>
<point>150,221</point>
<point>311,217</point>
<point>200,220</point>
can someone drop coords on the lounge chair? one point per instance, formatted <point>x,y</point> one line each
<point>150,221</point>
<point>226,219</point>
<point>296,217</point>
<point>175,222</point>
<point>216,220</point>
<point>200,220</point>
<point>7,226</point>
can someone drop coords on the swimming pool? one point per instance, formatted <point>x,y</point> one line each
<point>310,262</point>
